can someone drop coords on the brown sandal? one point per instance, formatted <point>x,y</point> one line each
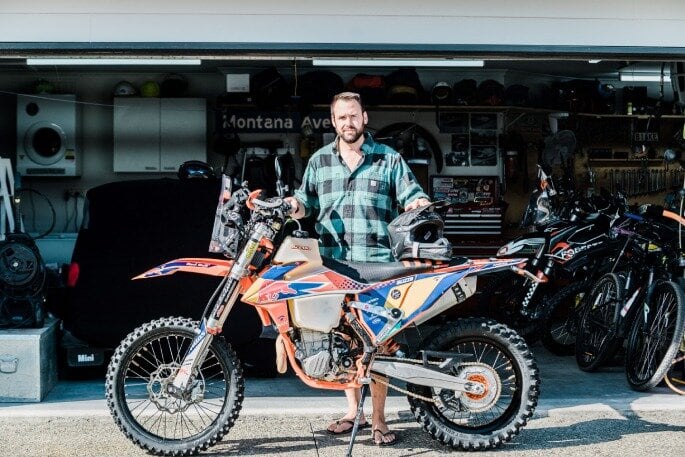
<point>339,422</point>
<point>380,442</point>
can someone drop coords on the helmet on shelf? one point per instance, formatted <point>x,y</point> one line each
<point>192,169</point>
<point>124,89</point>
<point>150,89</point>
<point>417,234</point>
<point>441,93</point>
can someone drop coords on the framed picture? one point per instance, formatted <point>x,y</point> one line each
<point>483,121</point>
<point>458,156</point>
<point>483,156</point>
<point>453,122</point>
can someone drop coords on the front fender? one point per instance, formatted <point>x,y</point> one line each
<point>211,267</point>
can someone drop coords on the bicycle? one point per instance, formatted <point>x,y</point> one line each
<point>610,315</point>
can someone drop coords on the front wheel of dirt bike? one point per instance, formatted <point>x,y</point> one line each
<point>139,372</point>
<point>560,320</point>
<point>489,353</point>
<point>655,337</point>
<point>501,298</point>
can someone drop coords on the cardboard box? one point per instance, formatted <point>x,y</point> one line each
<point>28,362</point>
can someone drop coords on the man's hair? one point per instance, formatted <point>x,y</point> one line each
<point>347,96</point>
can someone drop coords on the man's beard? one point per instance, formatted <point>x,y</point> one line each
<point>357,135</point>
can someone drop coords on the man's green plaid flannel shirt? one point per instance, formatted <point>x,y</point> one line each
<point>354,208</point>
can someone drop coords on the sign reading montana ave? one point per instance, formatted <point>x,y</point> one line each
<point>276,121</point>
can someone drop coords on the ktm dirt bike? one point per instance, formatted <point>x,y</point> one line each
<point>175,387</point>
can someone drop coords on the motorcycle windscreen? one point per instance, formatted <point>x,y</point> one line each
<point>220,234</point>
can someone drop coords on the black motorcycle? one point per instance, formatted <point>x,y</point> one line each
<point>566,254</point>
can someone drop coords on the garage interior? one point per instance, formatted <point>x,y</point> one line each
<point>623,112</point>
<point>593,100</point>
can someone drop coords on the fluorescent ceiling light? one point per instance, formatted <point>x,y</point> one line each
<point>643,77</point>
<point>396,63</point>
<point>58,61</point>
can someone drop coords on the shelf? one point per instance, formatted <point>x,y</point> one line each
<point>627,116</point>
<point>628,162</point>
<point>456,108</point>
<point>461,108</point>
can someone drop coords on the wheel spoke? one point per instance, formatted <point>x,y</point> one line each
<point>160,414</point>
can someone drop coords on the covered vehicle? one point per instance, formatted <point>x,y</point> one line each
<point>130,226</point>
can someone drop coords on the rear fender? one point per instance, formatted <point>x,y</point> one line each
<point>522,246</point>
<point>211,267</point>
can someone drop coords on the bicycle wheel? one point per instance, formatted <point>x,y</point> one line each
<point>597,338</point>
<point>655,336</point>
<point>675,376</point>
<point>560,321</point>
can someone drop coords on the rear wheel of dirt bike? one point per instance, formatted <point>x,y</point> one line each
<point>655,337</point>
<point>597,340</point>
<point>137,377</point>
<point>560,322</point>
<point>491,354</point>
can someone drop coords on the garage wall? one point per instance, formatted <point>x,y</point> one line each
<point>495,22</point>
<point>93,91</point>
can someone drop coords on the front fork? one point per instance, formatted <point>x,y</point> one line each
<point>209,327</point>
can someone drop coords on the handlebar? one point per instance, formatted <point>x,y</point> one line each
<point>656,211</point>
<point>255,202</point>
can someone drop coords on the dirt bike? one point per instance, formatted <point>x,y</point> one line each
<point>175,387</point>
<point>567,255</point>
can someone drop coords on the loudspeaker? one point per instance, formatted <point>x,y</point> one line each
<point>47,135</point>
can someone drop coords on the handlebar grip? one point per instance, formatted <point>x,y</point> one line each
<point>655,211</point>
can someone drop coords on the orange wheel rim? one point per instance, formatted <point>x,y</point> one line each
<point>481,379</point>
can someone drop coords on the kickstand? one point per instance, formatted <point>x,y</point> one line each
<point>355,427</point>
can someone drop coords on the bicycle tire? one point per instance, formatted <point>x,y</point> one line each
<point>654,339</point>
<point>560,321</point>
<point>597,339</point>
<point>675,376</point>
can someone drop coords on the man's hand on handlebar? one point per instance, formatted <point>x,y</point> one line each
<point>297,208</point>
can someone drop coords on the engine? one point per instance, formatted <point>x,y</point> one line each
<point>323,355</point>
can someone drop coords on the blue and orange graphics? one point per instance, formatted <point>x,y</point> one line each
<point>211,267</point>
<point>272,287</point>
<point>415,295</point>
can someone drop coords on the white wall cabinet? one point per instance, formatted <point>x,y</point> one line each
<point>158,134</point>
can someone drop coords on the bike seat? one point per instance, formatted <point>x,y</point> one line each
<point>370,272</point>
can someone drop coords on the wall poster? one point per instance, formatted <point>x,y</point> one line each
<point>474,138</point>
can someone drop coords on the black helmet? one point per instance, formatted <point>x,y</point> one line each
<point>195,169</point>
<point>417,234</point>
<point>441,93</point>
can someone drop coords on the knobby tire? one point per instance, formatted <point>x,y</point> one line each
<point>135,391</point>
<point>484,342</point>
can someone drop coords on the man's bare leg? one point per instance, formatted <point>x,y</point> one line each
<point>379,392</point>
<point>353,397</point>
